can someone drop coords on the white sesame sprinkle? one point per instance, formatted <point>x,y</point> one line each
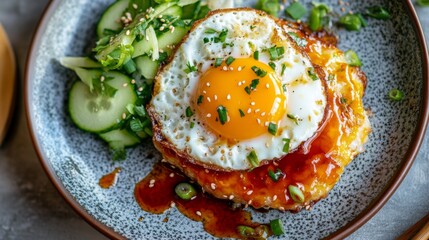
<point>249,202</point>
<point>163,160</point>
<point>125,84</point>
<point>204,92</point>
<point>275,197</point>
<point>258,120</point>
<point>266,124</point>
<point>163,20</point>
<point>147,37</point>
<point>133,81</point>
<point>102,78</point>
<point>257,110</point>
<point>228,97</point>
<point>147,16</point>
<point>209,115</point>
<point>267,144</point>
<point>208,99</point>
<point>198,213</point>
<point>215,97</point>
<point>249,110</point>
<point>135,6</point>
<point>151,185</point>
<point>152,181</point>
<point>231,68</point>
<point>225,68</point>
<point>281,208</point>
<point>172,204</point>
<point>249,192</point>
<point>161,28</point>
<point>128,32</point>
<point>239,69</point>
<point>140,89</point>
<point>141,19</point>
<point>160,16</point>
<point>213,186</point>
<point>231,197</point>
<point>124,115</point>
<point>239,83</point>
<point>193,197</point>
<point>267,85</point>
<point>208,84</point>
<point>263,114</point>
<point>252,103</point>
<point>171,174</point>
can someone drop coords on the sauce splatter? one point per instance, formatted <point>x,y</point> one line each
<point>109,180</point>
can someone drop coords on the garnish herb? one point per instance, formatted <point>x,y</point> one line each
<point>200,99</point>
<point>296,194</point>
<point>218,62</point>
<point>102,88</point>
<point>301,42</point>
<point>223,114</point>
<point>185,191</point>
<point>343,100</point>
<point>296,10</point>
<point>283,69</point>
<point>318,16</point>
<point>254,84</point>
<point>247,89</point>
<point>192,125</point>
<point>259,72</point>
<point>276,226</point>
<point>272,65</point>
<point>136,125</point>
<point>272,128</point>
<point>210,31</point>
<point>396,95</point>
<point>275,176</point>
<point>256,55</point>
<point>206,40</point>
<point>272,7</point>
<point>312,74</point>
<point>190,68</point>
<point>378,12</point>
<point>287,145</point>
<point>189,112</point>
<point>351,22</point>
<point>252,27</point>
<point>253,159</point>
<point>276,52</point>
<point>246,231</point>
<point>352,58</point>
<point>331,77</point>
<point>293,118</point>
<point>229,60</point>
<point>284,86</point>
<point>241,113</point>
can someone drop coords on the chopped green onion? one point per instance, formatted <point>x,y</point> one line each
<point>252,27</point>
<point>206,40</point>
<point>200,99</point>
<point>246,231</point>
<point>351,22</point>
<point>130,66</point>
<point>283,69</point>
<point>253,159</point>
<point>277,227</point>
<point>229,60</point>
<point>247,89</point>
<point>222,35</point>
<point>272,65</point>
<point>272,128</point>
<point>424,3</point>
<point>312,74</point>
<point>185,191</point>
<point>362,20</point>
<point>396,95</point>
<point>189,112</point>
<point>210,31</point>
<point>276,52</point>
<point>296,10</point>
<point>241,113</point>
<point>300,41</point>
<point>218,62</point>
<point>352,58</point>
<point>343,100</point>
<point>378,12</point>
<point>192,125</point>
<point>272,7</point>
<point>284,86</point>
<point>296,194</point>
<point>321,6</point>
<point>190,68</point>
<point>259,72</point>
<point>254,84</point>
<point>287,145</point>
<point>331,77</point>
<point>275,176</point>
<point>315,19</point>
<point>223,115</point>
<point>293,118</point>
<point>256,55</point>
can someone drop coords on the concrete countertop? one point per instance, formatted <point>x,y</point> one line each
<point>31,208</point>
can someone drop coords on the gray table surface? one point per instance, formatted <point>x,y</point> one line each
<point>31,208</point>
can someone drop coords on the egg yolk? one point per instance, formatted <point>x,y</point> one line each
<point>239,101</point>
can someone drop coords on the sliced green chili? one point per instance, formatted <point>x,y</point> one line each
<point>352,58</point>
<point>185,191</point>
<point>296,194</point>
<point>396,95</point>
<point>253,159</point>
<point>378,12</point>
<point>277,227</point>
<point>287,145</point>
<point>296,10</point>
<point>223,114</point>
<point>351,22</point>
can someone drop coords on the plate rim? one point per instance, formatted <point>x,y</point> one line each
<point>341,233</point>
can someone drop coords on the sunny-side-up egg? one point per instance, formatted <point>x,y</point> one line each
<point>236,92</point>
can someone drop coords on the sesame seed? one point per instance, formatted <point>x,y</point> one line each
<point>125,85</point>
<point>133,81</point>
<point>193,197</point>
<point>161,29</point>
<point>231,197</point>
<point>228,97</point>
<point>213,186</point>
<point>252,103</point>
<point>258,120</point>
<point>160,16</point>
<point>204,92</point>
<point>171,174</point>
<point>140,89</point>
<point>239,68</point>
<point>172,204</point>
<point>249,202</point>
<point>124,115</point>
<point>225,68</point>
<point>239,83</point>
<point>163,20</point>
<point>163,160</point>
<point>152,181</point>
<point>141,19</point>
<point>281,208</point>
<point>263,114</point>
<point>249,192</point>
<point>209,115</point>
<point>208,84</point>
<point>267,144</point>
<point>208,99</point>
<point>215,97</point>
<point>275,197</point>
<point>267,85</point>
<point>231,68</point>
<point>257,110</point>
<point>198,213</point>
<point>266,124</point>
<point>207,171</point>
<point>128,32</point>
<point>147,16</point>
<point>147,37</point>
<point>249,110</point>
<point>135,6</point>
<point>151,185</point>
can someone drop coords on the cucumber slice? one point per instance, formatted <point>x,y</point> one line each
<point>168,38</point>
<point>174,11</point>
<point>79,62</point>
<point>95,113</point>
<point>147,67</point>
<point>111,17</point>
<point>120,137</point>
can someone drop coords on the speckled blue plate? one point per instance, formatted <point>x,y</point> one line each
<point>394,56</point>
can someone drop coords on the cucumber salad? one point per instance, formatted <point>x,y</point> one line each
<point>134,38</point>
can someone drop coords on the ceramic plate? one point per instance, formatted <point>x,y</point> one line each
<point>394,56</point>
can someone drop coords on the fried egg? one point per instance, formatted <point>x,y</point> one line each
<point>237,92</point>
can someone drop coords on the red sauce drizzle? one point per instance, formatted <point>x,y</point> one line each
<point>108,180</point>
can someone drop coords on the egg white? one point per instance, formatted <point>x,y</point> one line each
<point>249,30</point>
